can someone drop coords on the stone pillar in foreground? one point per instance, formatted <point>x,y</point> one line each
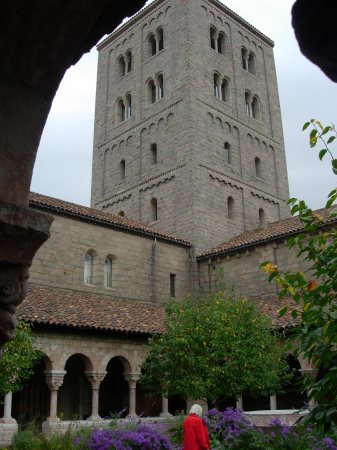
<point>95,378</point>
<point>132,379</point>
<point>54,379</point>
<point>164,407</point>
<point>8,425</point>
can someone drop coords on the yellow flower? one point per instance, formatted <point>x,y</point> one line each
<point>312,285</point>
<point>270,268</point>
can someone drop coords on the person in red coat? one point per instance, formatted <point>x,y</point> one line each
<point>195,431</point>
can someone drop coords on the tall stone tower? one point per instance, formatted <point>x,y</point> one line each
<point>188,131</point>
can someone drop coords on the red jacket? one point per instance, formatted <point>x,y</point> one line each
<point>195,434</point>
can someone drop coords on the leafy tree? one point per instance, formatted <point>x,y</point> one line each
<point>213,348</point>
<point>17,360</point>
<point>315,290</point>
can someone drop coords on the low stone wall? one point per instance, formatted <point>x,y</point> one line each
<point>8,427</point>
<point>263,418</point>
<point>51,426</point>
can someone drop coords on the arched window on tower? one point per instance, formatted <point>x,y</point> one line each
<point>262,217</point>
<point>258,167</point>
<point>244,58</point>
<point>88,268</point>
<point>230,208</point>
<point>128,61</point>
<point>122,170</point>
<point>255,109</point>
<point>152,45</point>
<point>212,33</point>
<point>108,272</point>
<point>160,39</point>
<point>128,106</point>
<point>251,63</point>
<point>225,90</point>
<point>151,92</point>
<point>248,104</point>
<point>154,209</point>
<point>222,43</point>
<point>121,68</point>
<point>160,86</point>
<point>217,85</point>
<point>227,153</point>
<point>153,149</point>
<point>120,111</point>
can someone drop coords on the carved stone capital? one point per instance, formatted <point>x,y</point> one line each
<point>54,378</point>
<point>309,372</point>
<point>95,378</point>
<point>22,232</point>
<point>132,379</point>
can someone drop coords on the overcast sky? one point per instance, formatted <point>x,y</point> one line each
<point>63,165</point>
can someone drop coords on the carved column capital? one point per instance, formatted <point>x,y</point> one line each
<point>132,379</point>
<point>54,378</point>
<point>95,378</point>
<point>22,232</point>
<point>309,372</point>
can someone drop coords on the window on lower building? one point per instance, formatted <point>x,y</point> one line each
<point>88,268</point>
<point>172,284</point>
<point>154,209</point>
<point>160,86</point>
<point>212,37</point>
<point>160,39</point>
<point>151,92</point>
<point>108,272</point>
<point>225,90</point>
<point>256,110</point>
<point>120,111</point>
<point>262,217</point>
<point>230,208</point>
<point>222,43</point>
<point>251,63</point>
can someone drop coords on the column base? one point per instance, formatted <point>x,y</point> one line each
<point>8,428</point>
<point>94,418</point>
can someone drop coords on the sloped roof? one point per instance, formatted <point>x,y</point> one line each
<point>63,308</point>
<point>78,310</point>
<point>272,231</point>
<point>98,217</point>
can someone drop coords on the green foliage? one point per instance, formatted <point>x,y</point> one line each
<point>217,347</point>
<point>176,429</point>
<point>315,290</point>
<point>17,360</point>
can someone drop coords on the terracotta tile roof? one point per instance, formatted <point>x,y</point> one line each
<point>272,231</point>
<point>270,307</point>
<point>99,217</point>
<point>77,310</point>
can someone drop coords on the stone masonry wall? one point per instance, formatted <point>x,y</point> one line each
<point>141,267</point>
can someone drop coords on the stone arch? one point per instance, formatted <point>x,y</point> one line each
<point>143,132</point>
<point>74,396</point>
<point>161,124</point>
<point>87,360</point>
<point>125,41</point>
<point>219,20</point>
<point>129,141</point>
<point>167,10</point>
<point>210,117</point>
<point>160,16</point>
<point>203,8</point>
<point>124,357</point>
<point>121,145</point>
<point>152,127</point>
<point>227,127</point>
<point>218,123</point>
<point>34,393</point>
<point>211,14</point>
<point>236,131</point>
<point>169,118</point>
<point>131,37</point>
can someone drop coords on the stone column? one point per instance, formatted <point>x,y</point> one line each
<point>273,402</point>
<point>164,407</point>
<point>8,406</point>
<point>132,379</point>
<point>54,379</point>
<point>239,404</point>
<point>312,373</point>
<point>157,86</point>
<point>95,378</point>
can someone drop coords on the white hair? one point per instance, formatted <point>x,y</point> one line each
<point>196,409</point>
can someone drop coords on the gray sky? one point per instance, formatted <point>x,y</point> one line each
<point>63,165</point>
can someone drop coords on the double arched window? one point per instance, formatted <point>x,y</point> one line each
<point>155,89</point>
<point>248,60</point>
<point>89,265</point>
<point>124,64</point>
<point>218,40</point>
<point>252,106</point>
<point>221,87</point>
<point>124,108</point>
<point>155,41</point>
